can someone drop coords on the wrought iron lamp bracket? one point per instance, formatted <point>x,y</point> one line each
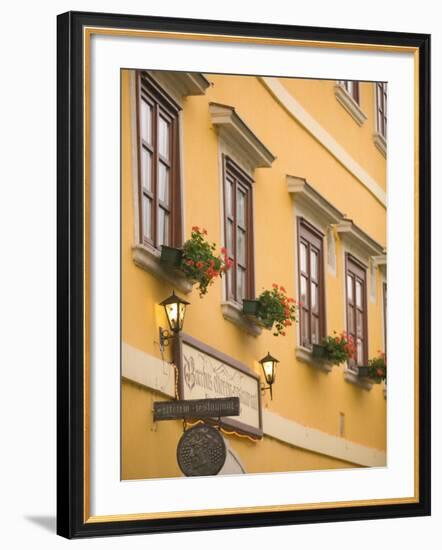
<point>165,337</point>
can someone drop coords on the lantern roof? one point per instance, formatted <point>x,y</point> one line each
<point>174,299</point>
<point>269,357</point>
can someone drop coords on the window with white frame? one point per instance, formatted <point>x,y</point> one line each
<point>238,222</point>
<point>311,283</point>
<point>241,153</point>
<point>352,88</point>
<point>381,108</point>
<point>356,295</point>
<point>159,165</point>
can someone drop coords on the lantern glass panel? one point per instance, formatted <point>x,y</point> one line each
<point>172,315</point>
<point>181,313</point>
<point>268,371</point>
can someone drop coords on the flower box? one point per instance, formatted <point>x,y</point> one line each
<point>268,325</point>
<point>272,310</point>
<point>363,371</point>
<point>318,351</point>
<point>377,368</point>
<point>171,257</point>
<point>367,372</point>
<point>250,309</point>
<point>199,261</point>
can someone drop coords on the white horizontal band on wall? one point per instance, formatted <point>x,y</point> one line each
<point>295,109</point>
<point>309,439</point>
<point>147,370</point>
<point>158,375</point>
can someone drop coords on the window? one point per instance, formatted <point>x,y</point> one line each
<point>357,308</point>
<point>238,221</point>
<point>159,177</point>
<point>311,283</point>
<point>381,108</point>
<point>352,88</point>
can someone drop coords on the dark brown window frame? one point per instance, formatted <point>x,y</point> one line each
<point>243,180</point>
<point>313,238</point>
<point>162,105</point>
<point>381,108</point>
<point>358,270</point>
<point>354,92</point>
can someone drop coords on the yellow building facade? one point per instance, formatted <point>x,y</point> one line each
<point>306,163</point>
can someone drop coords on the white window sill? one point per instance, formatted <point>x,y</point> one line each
<point>380,142</point>
<point>352,377</point>
<point>350,104</point>
<point>233,312</point>
<point>149,260</point>
<point>306,356</point>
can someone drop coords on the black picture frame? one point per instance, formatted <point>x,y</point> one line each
<point>71,510</point>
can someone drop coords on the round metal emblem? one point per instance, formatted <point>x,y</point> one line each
<point>201,451</point>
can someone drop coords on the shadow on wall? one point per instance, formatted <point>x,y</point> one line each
<point>48,523</point>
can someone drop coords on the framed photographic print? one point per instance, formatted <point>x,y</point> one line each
<point>243,238</point>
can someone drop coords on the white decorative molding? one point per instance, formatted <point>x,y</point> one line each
<point>305,355</point>
<point>147,370</point>
<point>149,259</point>
<point>349,104</point>
<point>353,378</point>
<point>295,109</point>
<point>155,374</point>
<point>310,439</point>
<point>380,262</point>
<point>237,134</point>
<point>226,149</point>
<point>315,209</point>
<point>134,153</point>
<point>380,142</point>
<point>233,312</point>
<point>352,235</point>
<point>372,280</point>
<point>305,195</point>
<point>180,84</point>
<point>331,251</point>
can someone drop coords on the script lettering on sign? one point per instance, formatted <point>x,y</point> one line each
<point>205,376</point>
<point>196,408</point>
